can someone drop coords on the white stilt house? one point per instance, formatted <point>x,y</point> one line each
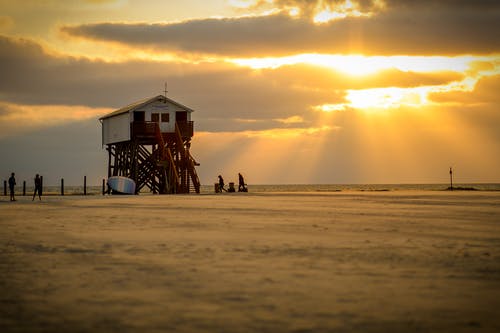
<point>148,141</point>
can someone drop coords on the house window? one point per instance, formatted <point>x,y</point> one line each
<point>155,117</point>
<point>165,117</point>
<point>139,116</point>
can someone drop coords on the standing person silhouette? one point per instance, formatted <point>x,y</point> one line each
<point>221,184</point>
<point>38,187</point>
<point>241,183</point>
<point>12,183</point>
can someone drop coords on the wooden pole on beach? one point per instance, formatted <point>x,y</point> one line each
<point>24,188</point>
<point>84,185</point>
<point>103,187</point>
<point>4,187</point>
<point>41,185</point>
<point>451,179</point>
<point>62,186</point>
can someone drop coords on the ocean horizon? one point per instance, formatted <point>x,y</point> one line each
<point>268,188</point>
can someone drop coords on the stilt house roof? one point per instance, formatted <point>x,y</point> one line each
<point>139,104</point>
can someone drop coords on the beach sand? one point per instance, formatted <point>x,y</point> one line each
<point>399,261</point>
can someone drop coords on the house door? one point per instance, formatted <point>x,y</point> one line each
<point>181,116</point>
<point>139,116</point>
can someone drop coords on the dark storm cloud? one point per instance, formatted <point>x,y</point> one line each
<point>412,28</point>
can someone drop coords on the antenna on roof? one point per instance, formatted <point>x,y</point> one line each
<point>165,91</point>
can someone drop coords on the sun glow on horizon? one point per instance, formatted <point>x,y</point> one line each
<point>385,98</point>
<point>359,65</point>
<point>380,99</point>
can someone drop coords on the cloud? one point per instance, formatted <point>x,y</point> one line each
<point>485,91</point>
<point>323,78</point>
<point>466,5</point>
<point>30,75</point>
<point>220,93</point>
<point>225,97</point>
<point>311,7</point>
<point>444,29</point>
<point>316,8</point>
<point>291,120</point>
<point>41,116</point>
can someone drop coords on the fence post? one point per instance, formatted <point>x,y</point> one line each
<point>84,185</point>
<point>4,187</point>
<point>24,188</point>
<point>62,186</point>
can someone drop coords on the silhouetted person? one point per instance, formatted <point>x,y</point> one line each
<point>12,184</point>
<point>38,187</point>
<point>221,184</point>
<point>241,183</point>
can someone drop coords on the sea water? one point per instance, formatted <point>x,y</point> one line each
<point>268,188</point>
<point>358,187</point>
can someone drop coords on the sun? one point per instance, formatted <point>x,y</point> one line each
<point>359,65</point>
<point>384,98</point>
<point>356,65</point>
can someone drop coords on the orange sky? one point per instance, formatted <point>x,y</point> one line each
<point>284,91</point>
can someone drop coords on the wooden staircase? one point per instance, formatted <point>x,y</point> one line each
<point>160,161</point>
<point>170,168</point>
<point>166,164</point>
<point>188,178</point>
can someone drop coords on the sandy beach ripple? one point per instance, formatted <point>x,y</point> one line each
<point>396,261</point>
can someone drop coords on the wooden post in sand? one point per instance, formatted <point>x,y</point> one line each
<point>62,186</point>
<point>451,179</point>
<point>24,188</point>
<point>4,187</point>
<point>103,187</point>
<point>84,185</point>
<point>41,186</point>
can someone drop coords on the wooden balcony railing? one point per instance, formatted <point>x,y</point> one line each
<point>147,128</point>
<point>143,128</point>
<point>186,128</point>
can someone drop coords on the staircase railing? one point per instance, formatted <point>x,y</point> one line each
<point>187,159</point>
<point>166,155</point>
<point>192,172</point>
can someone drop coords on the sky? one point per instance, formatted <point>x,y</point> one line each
<point>284,91</point>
